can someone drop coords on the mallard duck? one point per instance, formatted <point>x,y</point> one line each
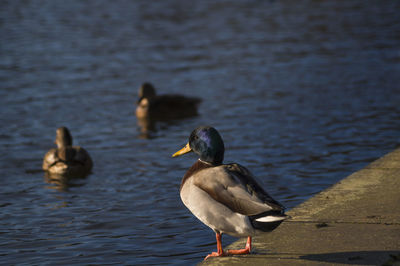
<point>225,197</point>
<point>166,106</point>
<point>67,159</point>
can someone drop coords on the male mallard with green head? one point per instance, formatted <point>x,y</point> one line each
<point>225,197</point>
<point>67,159</point>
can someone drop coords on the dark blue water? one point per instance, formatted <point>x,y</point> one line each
<point>303,93</point>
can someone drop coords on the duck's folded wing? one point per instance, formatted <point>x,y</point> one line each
<point>66,154</point>
<point>82,156</point>
<point>233,186</point>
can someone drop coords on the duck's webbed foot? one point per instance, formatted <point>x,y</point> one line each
<point>215,254</point>
<point>221,252</point>
<point>245,250</point>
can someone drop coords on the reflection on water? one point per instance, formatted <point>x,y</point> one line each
<point>146,126</point>
<point>303,94</point>
<point>63,182</point>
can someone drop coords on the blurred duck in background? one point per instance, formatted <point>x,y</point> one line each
<point>165,106</point>
<point>67,160</point>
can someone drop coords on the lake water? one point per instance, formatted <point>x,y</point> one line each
<point>303,93</point>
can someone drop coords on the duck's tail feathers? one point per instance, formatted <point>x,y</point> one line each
<point>268,221</point>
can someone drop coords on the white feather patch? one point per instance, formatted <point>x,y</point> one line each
<point>269,219</point>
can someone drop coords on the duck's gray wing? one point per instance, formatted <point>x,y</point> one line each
<point>234,186</point>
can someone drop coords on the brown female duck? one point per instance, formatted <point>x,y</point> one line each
<point>166,106</point>
<point>66,159</point>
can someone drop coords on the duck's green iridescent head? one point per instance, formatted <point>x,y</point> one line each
<point>207,143</point>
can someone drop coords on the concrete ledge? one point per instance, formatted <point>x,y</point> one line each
<point>354,222</point>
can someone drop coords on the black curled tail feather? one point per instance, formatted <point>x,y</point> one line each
<point>268,226</point>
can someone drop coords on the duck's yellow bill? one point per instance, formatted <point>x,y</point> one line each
<point>184,150</point>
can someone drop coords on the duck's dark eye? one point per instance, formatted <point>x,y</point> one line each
<point>194,136</point>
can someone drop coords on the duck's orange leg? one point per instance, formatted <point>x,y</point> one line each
<point>220,252</point>
<point>245,250</point>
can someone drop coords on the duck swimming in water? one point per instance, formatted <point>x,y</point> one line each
<point>225,197</point>
<point>67,160</point>
<point>165,106</point>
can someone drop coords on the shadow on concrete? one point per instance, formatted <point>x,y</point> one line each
<point>354,258</point>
